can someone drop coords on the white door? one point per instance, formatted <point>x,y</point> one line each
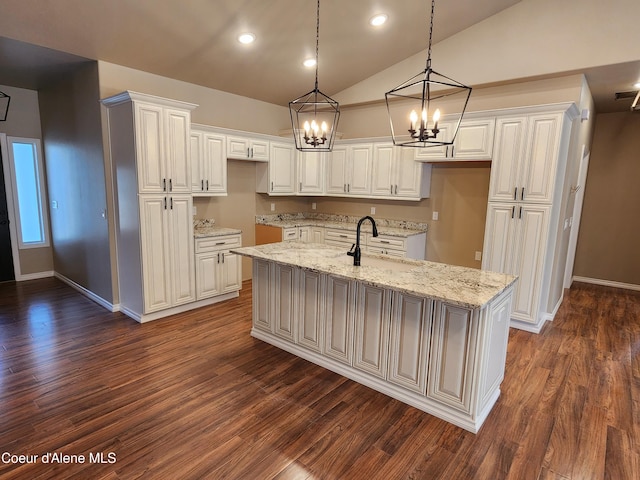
<point>338,341</point>
<point>177,124</point>
<point>230,272</point>
<point>310,309</point>
<point>408,174</point>
<point>336,171</point>
<point>197,163</point>
<point>283,301</point>
<point>359,176</point>
<point>311,172</point>
<point>150,144</point>
<point>282,168</point>
<point>382,170</point>
<point>372,314</point>
<point>215,162</point>
<point>508,154</point>
<point>207,278</point>
<point>181,249</point>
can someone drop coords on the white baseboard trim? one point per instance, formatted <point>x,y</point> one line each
<point>88,293</point>
<point>607,283</point>
<point>34,276</point>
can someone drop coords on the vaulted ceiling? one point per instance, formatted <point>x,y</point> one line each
<point>196,41</point>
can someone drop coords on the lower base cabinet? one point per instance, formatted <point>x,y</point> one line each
<point>218,271</point>
<point>444,359</point>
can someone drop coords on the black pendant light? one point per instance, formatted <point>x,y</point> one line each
<point>314,115</point>
<point>418,106</point>
<point>4,106</point>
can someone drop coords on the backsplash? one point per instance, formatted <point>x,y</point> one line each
<point>329,217</point>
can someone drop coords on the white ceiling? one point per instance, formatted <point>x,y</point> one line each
<point>195,41</point>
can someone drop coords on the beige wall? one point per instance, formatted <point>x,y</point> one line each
<point>23,120</point>
<point>72,133</point>
<point>609,229</point>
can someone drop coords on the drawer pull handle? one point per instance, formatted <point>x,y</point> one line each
<point>385,241</point>
<point>342,236</point>
<point>220,243</point>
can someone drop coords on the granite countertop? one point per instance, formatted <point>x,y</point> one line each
<point>394,228</point>
<point>462,286</point>
<point>207,228</point>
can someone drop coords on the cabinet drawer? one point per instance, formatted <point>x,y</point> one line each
<point>290,234</point>
<point>342,236</point>
<point>381,241</point>
<point>211,244</point>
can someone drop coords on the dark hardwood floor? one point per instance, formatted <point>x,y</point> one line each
<point>195,397</point>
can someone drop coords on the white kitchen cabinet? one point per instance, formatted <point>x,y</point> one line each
<point>310,309</point>
<point>162,147</point>
<point>339,301</point>
<point>301,234</point>
<point>149,140</point>
<point>277,176</point>
<point>218,271</point>
<point>341,238</point>
<point>284,301</point>
<point>208,163</point>
<point>247,148</point>
<point>453,350</point>
<point>474,141</point>
<point>373,305</point>
<point>317,235</point>
<point>262,318</point>
<point>166,235</point>
<point>396,174</point>
<point>516,243</point>
<point>525,163</point>
<point>311,172</point>
<point>409,342</point>
<point>349,170</point>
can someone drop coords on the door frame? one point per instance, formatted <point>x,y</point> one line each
<point>4,146</point>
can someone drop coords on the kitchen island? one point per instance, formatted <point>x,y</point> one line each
<point>431,335</point>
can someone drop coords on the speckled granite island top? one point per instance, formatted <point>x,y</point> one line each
<point>466,287</point>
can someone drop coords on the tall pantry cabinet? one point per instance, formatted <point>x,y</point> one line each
<point>149,141</point>
<point>525,198</point>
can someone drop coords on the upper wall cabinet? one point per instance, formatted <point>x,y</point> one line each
<point>349,170</point>
<point>208,162</point>
<point>247,148</point>
<point>526,158</point>
<point>396,174</point>
<point>473,142</point>
<point>277,176</point>
<point>162,147</point>
<point>311,172</point>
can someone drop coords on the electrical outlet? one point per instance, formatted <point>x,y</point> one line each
<point>434,216</point>
<point>313,206</point>
<point>194,211</point>
<point>373,210</point>
<point>479,256</point>
<point>273,207</point>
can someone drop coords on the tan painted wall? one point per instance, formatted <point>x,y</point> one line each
<point>72,133</point>
<point>609,230</point>
<point>23,120</point>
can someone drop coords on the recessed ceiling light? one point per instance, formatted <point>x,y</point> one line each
<point>246,38</point>
<point>378,20</point>
<point>636,85</point>
<point>309,62</point>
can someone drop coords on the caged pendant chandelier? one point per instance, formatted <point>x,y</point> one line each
<point>427,96</point>
<point>314,115</point>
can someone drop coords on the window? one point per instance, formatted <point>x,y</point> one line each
<point>27,175</point>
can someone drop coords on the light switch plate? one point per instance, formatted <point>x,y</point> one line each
<point>434,216</point>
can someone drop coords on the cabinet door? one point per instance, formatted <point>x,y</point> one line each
<point>261,293</point>
<point>338,340</point>
<point>541,162</point>
<point>156,262</point>
<point>259,150</point>
<point>317,235</point>
<point>408,175</point>
<point>177,125</point>
<point>437,152</point>
<point>533,225</point>
<point>181,249</point>
<point>230,269</point>
<point>508,153</point>
<point>452,356</point>
<point>197,163</point>
<point>152,175</point>
<point>215,161</point>
<point>207,279</point>
<point>336,171</point>
<point>500,237</point>
<point>304,233</point>
<point>289,234</point>
<point>283,301</point>
<point>372,329</point>
<point>383,169</point>
<point>310,309</point>
<point>311,172</point>
<point>409,347</point>
<point>474,140</point>
<point>237,147</point>
<point>282,168</point>
<point>359,173</point>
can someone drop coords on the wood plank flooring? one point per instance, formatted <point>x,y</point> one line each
<point>195,397</point>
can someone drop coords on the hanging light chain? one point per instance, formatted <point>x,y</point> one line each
<point>433,7</point>
<point>317,39</point>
